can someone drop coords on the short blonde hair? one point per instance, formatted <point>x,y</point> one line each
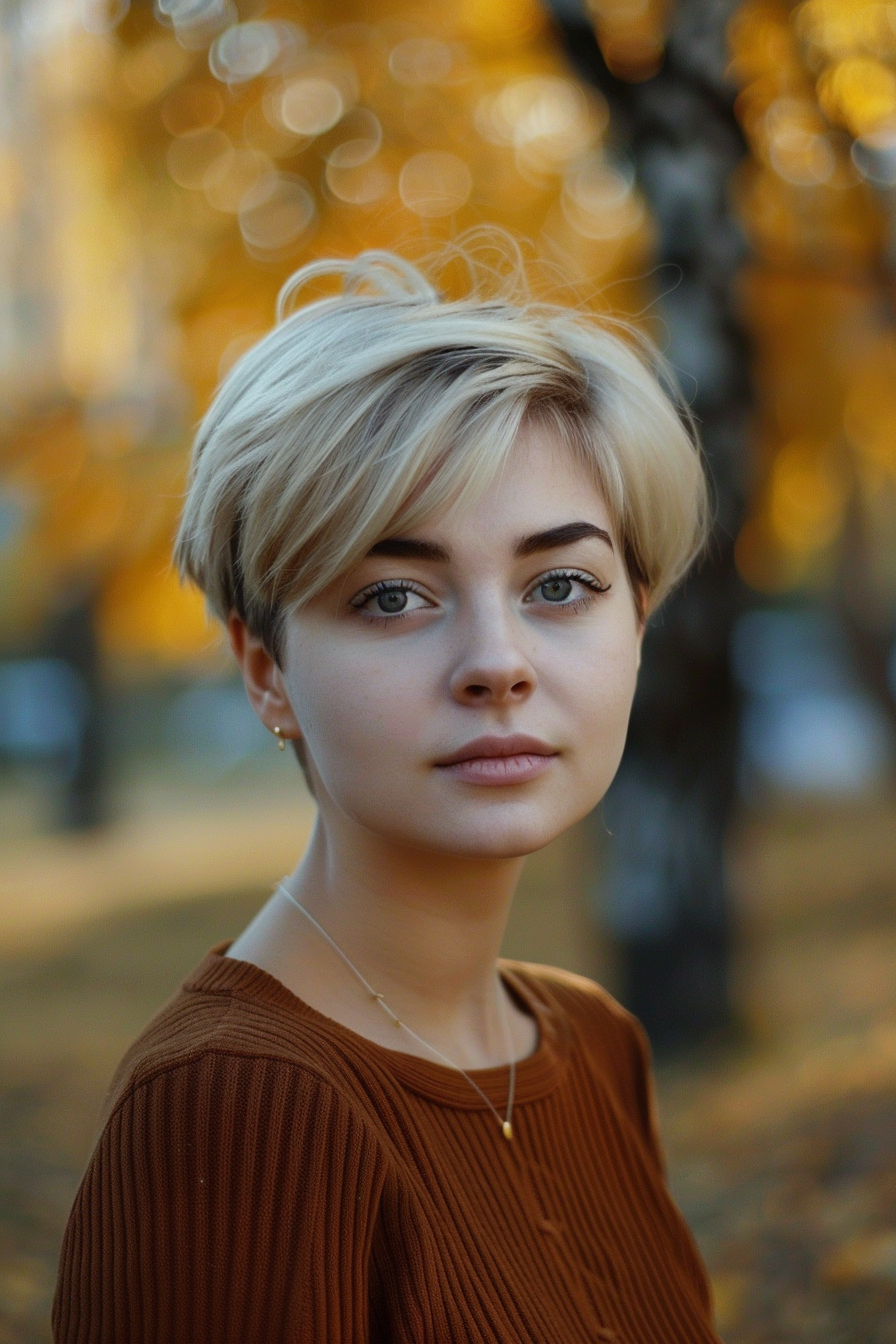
<point>357,416</point>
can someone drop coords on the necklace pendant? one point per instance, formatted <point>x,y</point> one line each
<point>507,1129</point>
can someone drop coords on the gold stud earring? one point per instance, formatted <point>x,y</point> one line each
<point>280,740</point>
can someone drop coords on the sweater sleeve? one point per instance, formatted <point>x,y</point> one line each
<point>644,1096</point>
<point>644,1092</point>
<point>228,1199</point>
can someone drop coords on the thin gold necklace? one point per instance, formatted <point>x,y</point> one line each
<point>506,1126</point>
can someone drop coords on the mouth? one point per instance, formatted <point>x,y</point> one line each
<point>515,759</point>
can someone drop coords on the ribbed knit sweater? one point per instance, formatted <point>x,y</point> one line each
<point>264,1175</point>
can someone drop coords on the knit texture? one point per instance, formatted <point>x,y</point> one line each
<point>265,1175</point>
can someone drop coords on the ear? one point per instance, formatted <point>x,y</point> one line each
<point>263,679</point>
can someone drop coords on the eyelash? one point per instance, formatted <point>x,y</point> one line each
<point>384,586</point>
<point>577,576</point>
<point>406,586</point>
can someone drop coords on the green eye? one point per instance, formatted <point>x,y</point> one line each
<point>556,590</point>
<point>392,601</point>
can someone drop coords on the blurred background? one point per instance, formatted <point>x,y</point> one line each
<point>722,173</point>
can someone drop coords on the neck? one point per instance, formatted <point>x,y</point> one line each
<point>424,929</point>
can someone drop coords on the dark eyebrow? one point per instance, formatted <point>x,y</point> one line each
<point>407,548</point>
<point>564,535</point>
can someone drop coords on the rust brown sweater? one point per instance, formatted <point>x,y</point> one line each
<point>266,1176</point>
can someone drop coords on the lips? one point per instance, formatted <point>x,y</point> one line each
<point>486,748</point>
<point>516,759</point>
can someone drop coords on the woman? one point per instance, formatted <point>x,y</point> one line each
<point>435,531</point>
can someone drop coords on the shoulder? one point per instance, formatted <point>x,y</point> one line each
<point>602,1039</point>
<point>220,1124</point>
<point>209,1071</point>
<point>583,1002</point>
<point>229,1076</point>
<point>229,1023</point>
<point>220,1065</point>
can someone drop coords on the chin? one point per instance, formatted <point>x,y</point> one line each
<point>487,828</point>
<point>495,837</point>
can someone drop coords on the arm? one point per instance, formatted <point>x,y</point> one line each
<point>228,1199</point>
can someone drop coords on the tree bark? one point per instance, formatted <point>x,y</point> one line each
<point>665,893</point>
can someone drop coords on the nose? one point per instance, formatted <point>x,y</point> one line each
<point>494,669</point>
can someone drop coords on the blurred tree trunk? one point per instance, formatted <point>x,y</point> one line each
<point>666,899</point>
<point>71,636</point>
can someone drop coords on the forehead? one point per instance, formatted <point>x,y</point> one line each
<point>542,483</point>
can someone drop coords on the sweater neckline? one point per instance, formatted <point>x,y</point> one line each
<point>536,1075</point>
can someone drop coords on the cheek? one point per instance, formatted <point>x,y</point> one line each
<point>604,690</point>
<point>355,716</point>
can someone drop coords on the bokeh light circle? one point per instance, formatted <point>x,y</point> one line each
<point>244,51</point>
<point>311,105</point>
<point>195,159</point>
<point>363,136</point>
<point>599,200</point>
<point>419,61</point>
<point>276,214</point>
<point>245,171</point>
<point>361,184</point>
<point>435,183</point>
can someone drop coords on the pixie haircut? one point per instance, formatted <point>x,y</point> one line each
<point>360,415</point>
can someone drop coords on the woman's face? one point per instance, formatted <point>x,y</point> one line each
<point>466,690</point>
